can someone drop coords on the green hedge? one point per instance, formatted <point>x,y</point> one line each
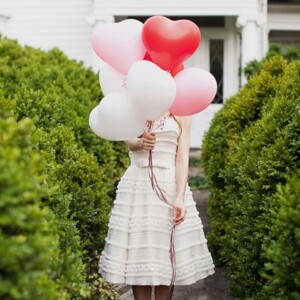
<point>282,251</point>
<point>59,94</point>
<point>253,142</point>
<point>32,266</point>
<point>81,170</point>
<point>52,89</point>
<point>238,113</point>
<point>290,54</point>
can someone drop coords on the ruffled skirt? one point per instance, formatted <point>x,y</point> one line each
<point>137,245</point>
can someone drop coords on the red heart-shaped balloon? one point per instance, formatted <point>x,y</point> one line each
<point>169,43</point>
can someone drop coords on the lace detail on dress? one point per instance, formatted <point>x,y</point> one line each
<point>158,124</point>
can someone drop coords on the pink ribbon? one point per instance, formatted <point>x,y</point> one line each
<point>161,195</point>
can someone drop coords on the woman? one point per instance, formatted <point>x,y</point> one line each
<point>137,250</point>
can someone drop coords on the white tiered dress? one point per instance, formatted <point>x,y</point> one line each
<point>137,245</point>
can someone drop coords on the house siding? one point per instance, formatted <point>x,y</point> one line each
<point>48,24</point>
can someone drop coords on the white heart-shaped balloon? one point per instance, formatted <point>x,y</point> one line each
<point>153,90</point>
<point>116,118</point>
<point>119,44</point>
<point>111,80</point>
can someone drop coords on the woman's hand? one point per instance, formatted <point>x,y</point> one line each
<point>179,212</point>
<point>149,140</point>
<point>144,142</point>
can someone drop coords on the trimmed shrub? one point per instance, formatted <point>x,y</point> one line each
<point>59,94</point>
<point>52,89</point>
<point>238,113</point>
<point>80,193</point>
<point>291,54</point>
<point>80,169</point>
<point>262,128</point>
<point>282,250</point>
<point>267,151</point>
<point>31,266</point>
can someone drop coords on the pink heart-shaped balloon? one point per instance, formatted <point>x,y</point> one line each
<point>196,89</point>
<point>169,43</point>
<point>119,44</point>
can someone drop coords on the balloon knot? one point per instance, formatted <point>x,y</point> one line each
<point>124,82</point>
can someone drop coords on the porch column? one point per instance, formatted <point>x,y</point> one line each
<point>251,28</point>
<point>95,21</point>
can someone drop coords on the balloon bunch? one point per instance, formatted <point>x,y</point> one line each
<point>144,76</point>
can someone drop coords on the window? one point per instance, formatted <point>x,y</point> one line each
<point>285,38</point>
<point>283,1</point>
<point>216,58</point>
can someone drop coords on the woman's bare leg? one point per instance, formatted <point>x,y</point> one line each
<point>141,292</point>
<point>163,292</point>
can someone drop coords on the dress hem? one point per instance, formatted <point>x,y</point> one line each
<point>157,281</point>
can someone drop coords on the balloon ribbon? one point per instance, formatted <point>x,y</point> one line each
<point>161,195</point>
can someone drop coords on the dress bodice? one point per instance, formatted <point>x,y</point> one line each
<point>164,152</point>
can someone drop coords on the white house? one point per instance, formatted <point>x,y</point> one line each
<point>233,32</point>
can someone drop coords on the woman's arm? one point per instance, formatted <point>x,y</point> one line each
<point>145,142</point>
<point>182,167</point>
